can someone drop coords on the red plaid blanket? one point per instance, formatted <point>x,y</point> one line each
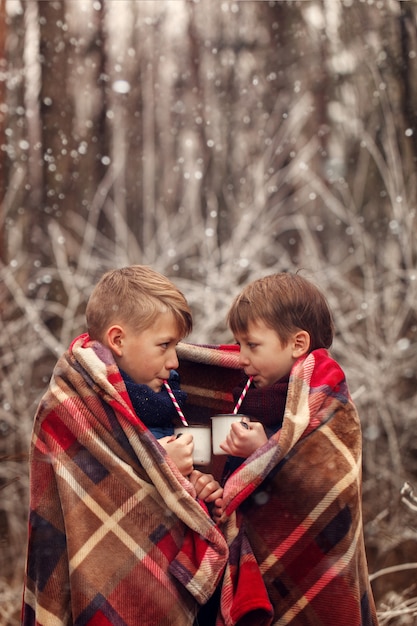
<point>295,536</point>
<point>116,535</point>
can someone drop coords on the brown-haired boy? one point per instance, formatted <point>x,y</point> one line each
<point>117,533</point>
<point>291,504</point>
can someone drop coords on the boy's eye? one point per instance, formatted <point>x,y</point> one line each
<point>164,345</point>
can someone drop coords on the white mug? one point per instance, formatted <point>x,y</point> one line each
<point>220,427</point>
<point>202,442</point>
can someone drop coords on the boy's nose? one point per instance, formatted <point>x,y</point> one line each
<point>243,359</point>
<point>172,361</point>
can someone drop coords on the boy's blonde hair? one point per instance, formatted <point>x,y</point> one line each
<point>285,303</point>
<point>134,296</point>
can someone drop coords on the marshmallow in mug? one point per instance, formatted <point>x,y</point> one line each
<point>220,426</point>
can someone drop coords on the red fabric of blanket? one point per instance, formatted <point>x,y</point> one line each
<point>294,511</point>
<point>116,535</point>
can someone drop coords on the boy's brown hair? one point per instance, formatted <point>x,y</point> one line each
<point>286,303</point>
<point>134,296</point>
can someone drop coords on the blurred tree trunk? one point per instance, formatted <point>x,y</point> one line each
<point>3,117</point>
<point>14,133</point>
<point>72,113</point>
<point>58,141</point>
<point>407,71</point>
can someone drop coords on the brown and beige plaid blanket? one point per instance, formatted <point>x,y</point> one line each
<point>139,549</point>
<point>116,534</point>
<point>294,531</point>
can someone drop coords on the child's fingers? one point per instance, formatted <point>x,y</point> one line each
<point>184,440</point>
<point>211,492</point>
<point>217,513</point>
<point>244,441</point>
<point>181,452</point>
<point>206,486</point>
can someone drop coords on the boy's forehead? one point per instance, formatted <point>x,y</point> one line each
<point>254,328</point>
<point>165,325</point>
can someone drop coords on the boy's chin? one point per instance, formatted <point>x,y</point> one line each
<point>156,386</point>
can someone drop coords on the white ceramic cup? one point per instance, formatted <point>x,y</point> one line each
<point>220,428</point>
<point>202,442</point>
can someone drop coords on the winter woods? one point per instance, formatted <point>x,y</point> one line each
<point>216,141</point>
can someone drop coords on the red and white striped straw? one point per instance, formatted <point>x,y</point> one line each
<point>174,400</point>
<point>242,395</point>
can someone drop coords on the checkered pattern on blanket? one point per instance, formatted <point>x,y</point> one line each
<point>294,531</point>
<point>116,534</point>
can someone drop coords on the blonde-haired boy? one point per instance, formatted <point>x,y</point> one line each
<point>119,532</point>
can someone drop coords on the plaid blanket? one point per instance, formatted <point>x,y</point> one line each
<point>116,534</point>
<point>294,530</point>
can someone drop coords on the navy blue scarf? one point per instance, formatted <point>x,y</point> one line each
<point>156,409</point>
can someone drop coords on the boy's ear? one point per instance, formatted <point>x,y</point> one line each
<point>114,336</point>
<point>301,343</point>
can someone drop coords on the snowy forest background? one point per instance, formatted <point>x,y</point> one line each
<point>217,141</point>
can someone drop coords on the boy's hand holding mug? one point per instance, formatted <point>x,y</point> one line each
<point>244,438</point>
